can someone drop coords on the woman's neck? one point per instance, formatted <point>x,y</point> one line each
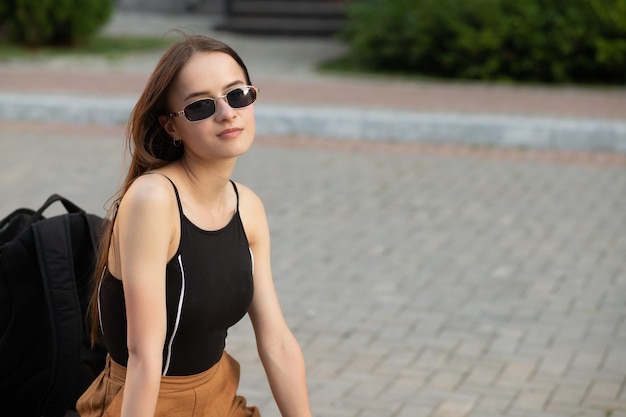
<point>208,180</point>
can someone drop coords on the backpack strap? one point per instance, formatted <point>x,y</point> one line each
<point>54,251</point>
<point>13,224</point>
<point>69,206</point>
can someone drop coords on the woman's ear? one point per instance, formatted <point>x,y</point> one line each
<point>168,125</point>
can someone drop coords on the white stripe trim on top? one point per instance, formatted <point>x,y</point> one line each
<point>99,307</point>
<point>178,314</point>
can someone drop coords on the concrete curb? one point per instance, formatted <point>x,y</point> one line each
<point>351,123</point>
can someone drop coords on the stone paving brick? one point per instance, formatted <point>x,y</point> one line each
<point>555,363</point>
<point>376,362</point>
<point>416,410</point>
<point>525,413</point>
<point>569,411</point>
<point>503,345</point>
<point>484,374</point>
<point>491,405</point>
<point>516,373</point>
<point>491,395</point>
<point>366,405</point>
<point>334,411</point>
<point>454,408</point>
<point>587,361</point>
<point>432,358</point>
<point>483,413</point>
<point>604,390</point>
<point>446,380</point>
<point>373,412</point>
<point>530,399</point>
<point>472,347</point>
<point>569,395</point>
<point>403,387</point>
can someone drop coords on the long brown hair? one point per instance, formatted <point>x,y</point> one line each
<point>149,145</point>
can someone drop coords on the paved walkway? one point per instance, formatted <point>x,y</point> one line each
<point>420,280</point>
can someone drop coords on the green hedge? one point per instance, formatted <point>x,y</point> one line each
<point>529,40</point>
<point>52,22</point>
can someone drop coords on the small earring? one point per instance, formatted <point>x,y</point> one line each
<point>177,142</point>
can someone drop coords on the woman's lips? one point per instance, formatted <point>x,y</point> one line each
<point>229,133</point>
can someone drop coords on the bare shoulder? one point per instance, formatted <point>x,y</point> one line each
<point>146,223</point>
<point>252,212</point>
<point>149,194</point>
<point>249,200</point>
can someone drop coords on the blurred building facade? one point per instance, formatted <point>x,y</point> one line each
<point>286,17</point>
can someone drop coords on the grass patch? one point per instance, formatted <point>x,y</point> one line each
<point>109,47</point>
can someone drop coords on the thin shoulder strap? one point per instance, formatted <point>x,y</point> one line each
<point>180,205</point>
<point>236,193</point>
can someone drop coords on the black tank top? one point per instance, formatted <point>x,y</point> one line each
<point>209,288</point>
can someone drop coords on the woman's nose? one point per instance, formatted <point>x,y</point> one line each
<point>223,110</point>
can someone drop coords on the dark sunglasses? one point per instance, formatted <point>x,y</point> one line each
<point>202,109</point>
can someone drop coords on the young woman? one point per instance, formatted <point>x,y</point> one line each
<point>188,253</point>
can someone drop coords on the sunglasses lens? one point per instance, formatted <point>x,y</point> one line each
<point>200,110</point>
<point>205,108</point>
<point>241,97</point>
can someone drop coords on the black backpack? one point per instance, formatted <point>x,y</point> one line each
<point>46,269</point>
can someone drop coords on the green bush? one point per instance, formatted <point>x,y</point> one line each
<point>52,22</point>
<point>530,40</point>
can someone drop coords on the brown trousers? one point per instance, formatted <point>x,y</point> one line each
<point>212,393</point>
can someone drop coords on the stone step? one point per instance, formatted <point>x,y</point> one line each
<point>286,17</point>
<point>282,26</point>
<point>288,8</point>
